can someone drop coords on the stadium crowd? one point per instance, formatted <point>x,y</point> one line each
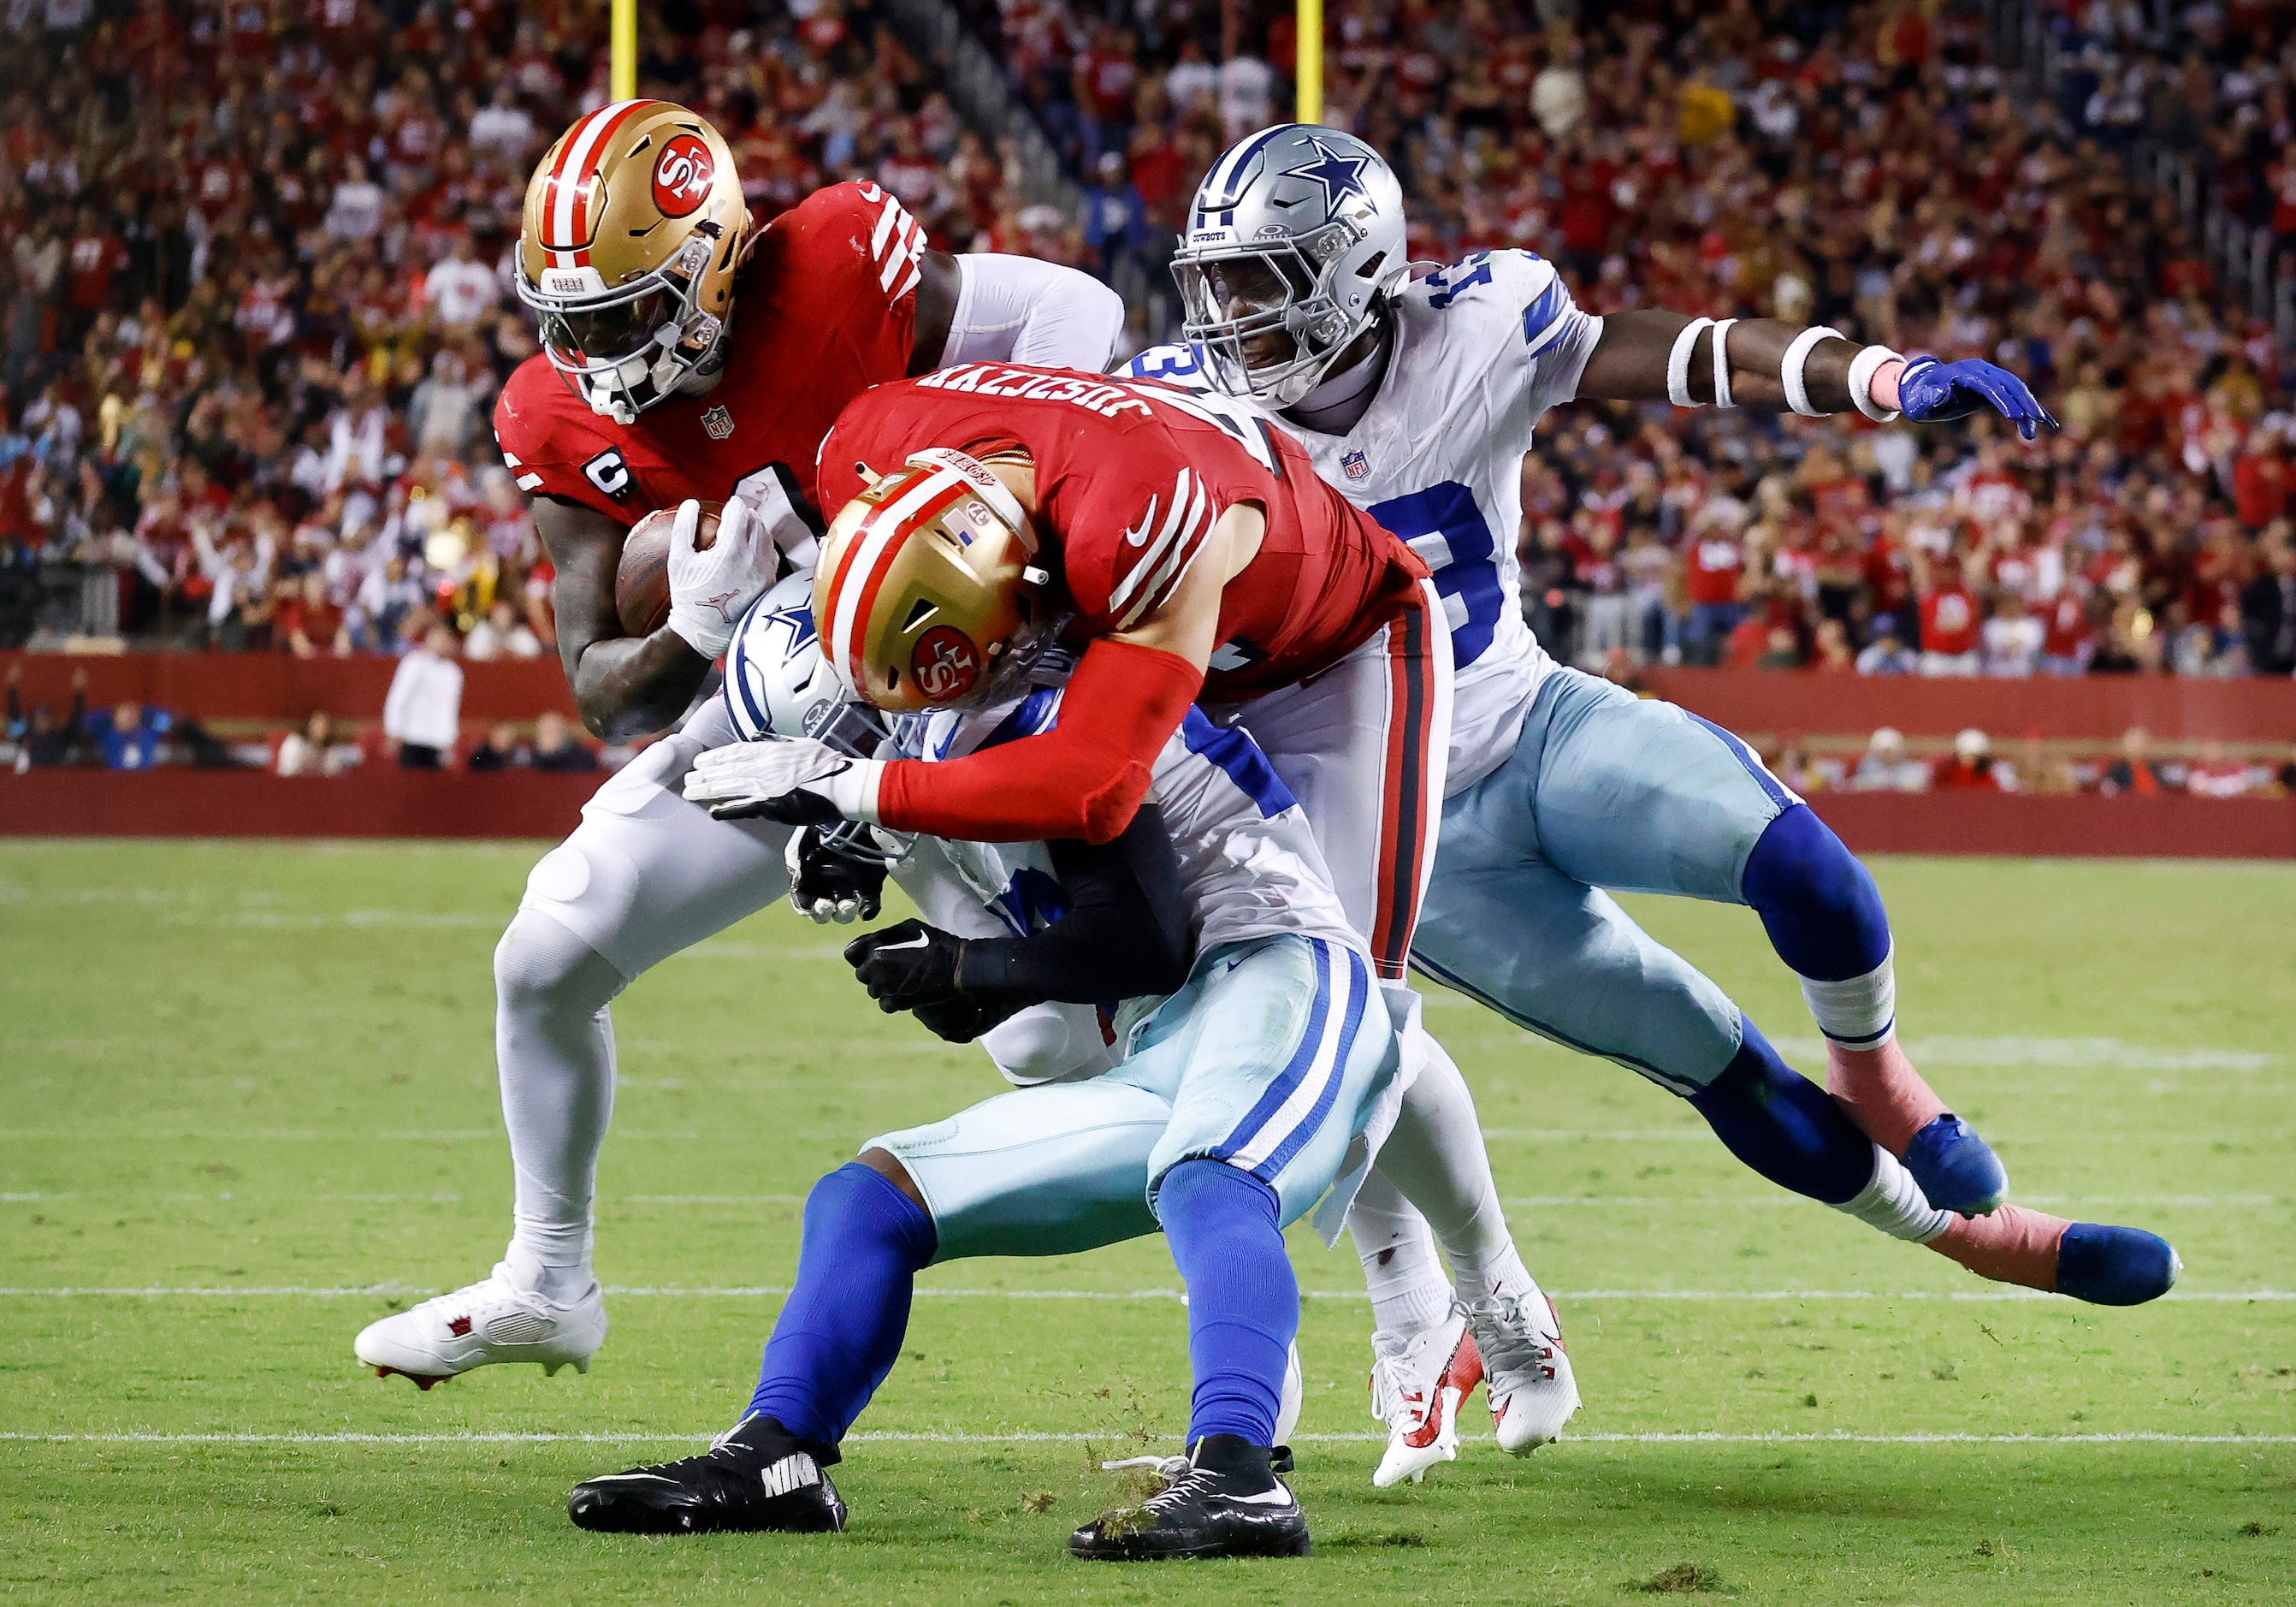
<point>255,267</point>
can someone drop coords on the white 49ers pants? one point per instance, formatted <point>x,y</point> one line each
<point>1364,748</point>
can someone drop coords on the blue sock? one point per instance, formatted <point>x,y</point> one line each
<point>840,1328</point>
<point>1243,1302</point>
<point>1819,905</point>
<point>1783,1126</point>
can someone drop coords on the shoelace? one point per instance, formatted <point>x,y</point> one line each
<point>1514,1345</point>
<point>1391,1385</point>
<point>1166,1467</point>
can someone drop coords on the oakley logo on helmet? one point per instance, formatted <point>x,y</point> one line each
<point>682,175</point>
<point>945,663</point>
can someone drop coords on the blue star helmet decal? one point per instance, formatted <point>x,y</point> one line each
<point>1340,176</point>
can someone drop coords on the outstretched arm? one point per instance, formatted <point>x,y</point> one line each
<point>1646,356</point>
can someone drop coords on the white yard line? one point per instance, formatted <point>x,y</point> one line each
<point>924,1292</point>
<point>1117,1439</point>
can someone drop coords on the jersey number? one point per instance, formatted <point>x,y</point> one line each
<point>1443,290</point>
<point>1445,527</point>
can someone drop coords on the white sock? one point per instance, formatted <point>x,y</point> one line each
<point>1859,1012</point>
<point>554,1049</point>
<point>1436,1157</point>
<point>1408,1290</point>
<point>1893,1203</point>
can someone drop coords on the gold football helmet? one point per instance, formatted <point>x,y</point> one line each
<point>633,225</point>
<point>927,595</point>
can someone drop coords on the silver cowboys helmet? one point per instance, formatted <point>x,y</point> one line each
<point>777,684</point>
<point>1295,232</point>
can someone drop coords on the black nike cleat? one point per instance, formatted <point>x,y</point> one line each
<point>755,1479</point>
<point>1224,1501</point>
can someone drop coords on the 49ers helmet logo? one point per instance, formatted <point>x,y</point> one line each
<point>682,175</point>
<point>945,663</point>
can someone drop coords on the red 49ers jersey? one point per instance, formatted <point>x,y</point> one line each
<point>1131,476</point>
<point>824,308</point>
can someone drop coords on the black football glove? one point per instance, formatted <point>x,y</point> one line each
<point>908,966</point>
<point>968,1016</point>
<point>828,884</point>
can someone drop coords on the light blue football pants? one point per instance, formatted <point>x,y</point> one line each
<point>1271,1059</point>
<point>1604,789</point>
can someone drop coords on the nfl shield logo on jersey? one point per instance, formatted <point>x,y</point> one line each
<point>719,422</point>
<point>1356,464</point>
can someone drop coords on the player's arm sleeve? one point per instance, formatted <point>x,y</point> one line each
<point>1548,338</point>
<point>540,467</point>
<point>1083,778</point>
<point>1125,935</point>
<point>1017,310</point>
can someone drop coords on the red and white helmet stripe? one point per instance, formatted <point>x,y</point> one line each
<point>869,555</point>
<point>573,183</point>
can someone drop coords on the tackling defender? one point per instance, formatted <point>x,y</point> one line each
<point>1235,1103</point>
<point>684,357</point>
<point>1416,398</point>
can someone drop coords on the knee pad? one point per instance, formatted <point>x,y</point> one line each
<point>540,962</point>
<point>1819,905</point>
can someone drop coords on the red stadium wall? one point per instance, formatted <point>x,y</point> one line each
<point>2173,708</point>
<point>381,800</point>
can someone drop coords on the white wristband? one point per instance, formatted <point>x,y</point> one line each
<point>1862,369</point>
<point>1722,364</point>
<point>1797,358</point>
<point>852,792</point>
<point>1678,364</point>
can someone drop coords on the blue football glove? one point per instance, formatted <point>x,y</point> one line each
<point>1930,391</point>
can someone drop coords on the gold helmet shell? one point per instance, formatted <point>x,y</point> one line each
<point>634,224</point>
<point>927,595</point>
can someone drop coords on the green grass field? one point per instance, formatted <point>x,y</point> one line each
<point>249,1104</point>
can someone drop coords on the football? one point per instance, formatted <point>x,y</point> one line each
<point>641,579</point>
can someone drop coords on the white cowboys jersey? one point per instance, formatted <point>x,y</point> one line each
<point>1250,866</point>
<point>1483,348</point>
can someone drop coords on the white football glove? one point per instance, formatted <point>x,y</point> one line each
<point>709,590</point>
<point>793,779</point>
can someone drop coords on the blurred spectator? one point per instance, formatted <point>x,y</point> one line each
<point>1886,766</point>
<point>2285,776</point>
<point>1972,766</point>
<point>502,750</point>
<point>1950,624</point>
<point>315,751</point>
<point>1886,655</point>
<point>2216,774</point>
<point>130,737</point>
<point>2267,609</point>
<point>557,748</point>
<point>502,634</point>
<point>307,622</point>
<point>2135,772</point>
<point>422,711</point>
<point>36,739</point>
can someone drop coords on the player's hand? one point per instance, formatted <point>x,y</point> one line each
<point>709,589</point>
<point>776,500</point>
<point>907,966</point>
<point>792,779</point>
<point>1930,391</point>
<point>965,1017</point>
<point>827,884</point>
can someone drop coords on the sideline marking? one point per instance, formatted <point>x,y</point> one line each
<point>775,1291</point>
<point>1119,1437</point>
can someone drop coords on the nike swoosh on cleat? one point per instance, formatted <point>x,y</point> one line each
<point>1274,1497</point>
<point>611,1477</point>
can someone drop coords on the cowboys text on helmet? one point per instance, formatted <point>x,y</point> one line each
<point>634,224</point>
<point>1294,239</point>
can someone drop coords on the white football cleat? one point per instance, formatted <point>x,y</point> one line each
<point>481,1325</point>
<point>1527,1373</point>
<point>1417,1383</point>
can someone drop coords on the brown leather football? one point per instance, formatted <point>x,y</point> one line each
<point>641,579</point>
